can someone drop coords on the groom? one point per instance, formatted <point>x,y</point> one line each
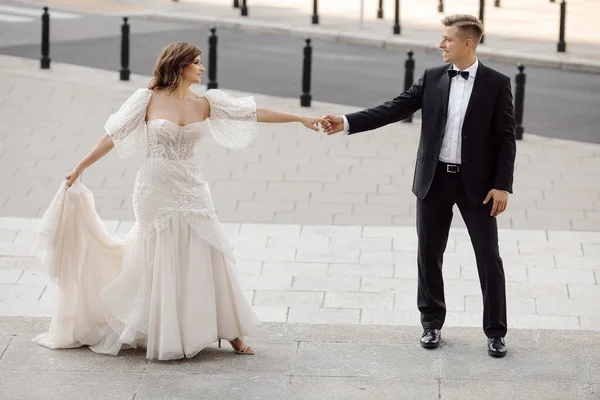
<point>465,157</point>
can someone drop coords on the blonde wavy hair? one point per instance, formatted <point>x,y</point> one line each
<point>170,63</point>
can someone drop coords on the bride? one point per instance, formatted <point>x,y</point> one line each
<point>170,286</point>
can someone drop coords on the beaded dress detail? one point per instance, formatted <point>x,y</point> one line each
<point>170,285</point>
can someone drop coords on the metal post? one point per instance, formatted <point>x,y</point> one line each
<point>45,60</point>
<point>397,18</point>
<point>362,13</point>
<point>562,45</point>
<point>481,11</point>
<point>441,6</point>
<point>236,3</point>
<point>409,76</point>
<point>244,9</point>
<point>212,60</point>
<point>519,101</point>
<point>380,10</point>
<point>497,3</point>
<point>315,17</point>
<point>125,50</point>
<point>306,97</point>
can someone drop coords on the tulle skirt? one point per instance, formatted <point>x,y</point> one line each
<point>170,288</point>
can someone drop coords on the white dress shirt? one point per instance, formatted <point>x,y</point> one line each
<point>460,93</point>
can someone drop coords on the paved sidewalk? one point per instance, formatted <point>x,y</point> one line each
<point>324,226</point>
<point>311,362</point>
<point>324,229</point>
<point>519,31</point>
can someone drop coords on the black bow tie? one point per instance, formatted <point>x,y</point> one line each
<point>453,73</point>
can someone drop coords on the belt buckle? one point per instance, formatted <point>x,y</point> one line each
<point>453,169</point>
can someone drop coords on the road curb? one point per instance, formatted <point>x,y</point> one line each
<point>565,63</point>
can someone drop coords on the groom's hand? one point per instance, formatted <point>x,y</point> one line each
<point>333,124</point>
<point>500,199</point>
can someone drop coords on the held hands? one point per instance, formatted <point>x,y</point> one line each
<point>500,199</point>
<point>72,177</point>
<point>332,124</point>
<point>311,122</point>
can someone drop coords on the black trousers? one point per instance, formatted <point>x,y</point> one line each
<point>434,215</point>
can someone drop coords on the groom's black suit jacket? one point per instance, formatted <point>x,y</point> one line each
<point>488,135</point>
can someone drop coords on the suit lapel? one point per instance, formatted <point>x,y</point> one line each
<point>478,87</point>
<point>445,91</point>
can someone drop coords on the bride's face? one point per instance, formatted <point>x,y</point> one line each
<point>193,72</point>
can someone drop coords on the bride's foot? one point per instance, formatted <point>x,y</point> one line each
<point>240,347</point>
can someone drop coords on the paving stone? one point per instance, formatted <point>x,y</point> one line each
<point>66,385</point>
<point>349,284</point>
<point>272,314</point>
<point>475,390</point>
<point>355,388</point>
<point>295,269</point>
<point>384,301</point>
<point>152,387</point>
<point>533,365</point>
<point>354,360</point>
<point>310,315</point>
<point>295,298</point>
<point>10,276</point>
<point>355,270</point>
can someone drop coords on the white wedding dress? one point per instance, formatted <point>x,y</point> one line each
<point>170,285</point>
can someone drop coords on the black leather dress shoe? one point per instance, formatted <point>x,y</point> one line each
<point>431,338</point>
<point>496,346</point>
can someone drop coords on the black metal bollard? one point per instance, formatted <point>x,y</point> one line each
<point>125,50</point>
<point>519,101</point>
<point>497,3</point>
<point>380,10</point>
<point>212,60</point>
<point>397,18</point>
<point>441,6</point>
<point>315,17</point>
<point>481,12</point>
<point>236,3</point>
<point>562,45</point>
<point>306,97</point>
<point>244,8</point>
<point>45,60</point>
<point>409,76</point>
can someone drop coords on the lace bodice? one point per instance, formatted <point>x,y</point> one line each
<point>232,123</point>
<point>171,141</point>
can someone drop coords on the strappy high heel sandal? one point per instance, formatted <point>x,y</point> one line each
<point>244,350</point>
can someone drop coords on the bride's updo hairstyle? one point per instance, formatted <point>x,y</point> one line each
<point>171,61</point>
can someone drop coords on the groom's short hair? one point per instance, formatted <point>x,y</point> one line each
<point>469,26</point>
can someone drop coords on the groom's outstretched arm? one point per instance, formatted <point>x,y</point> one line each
<point>391,111</point>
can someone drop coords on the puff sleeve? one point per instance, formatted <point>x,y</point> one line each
<point>232,121</point>
<point>127,127</point>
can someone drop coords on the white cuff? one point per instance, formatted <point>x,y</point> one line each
<point>346,130</point>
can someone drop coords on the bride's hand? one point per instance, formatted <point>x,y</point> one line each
<point>311,122</point>
<point>72,177</point>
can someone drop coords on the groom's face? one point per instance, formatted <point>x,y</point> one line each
<point>453,45</point>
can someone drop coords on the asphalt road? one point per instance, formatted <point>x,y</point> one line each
<point>557,103</point>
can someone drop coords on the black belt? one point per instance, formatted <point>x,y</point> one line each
<point>450,168</point>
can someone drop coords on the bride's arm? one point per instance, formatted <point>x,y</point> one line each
<point>104,145</point>
<point>268,115</point>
